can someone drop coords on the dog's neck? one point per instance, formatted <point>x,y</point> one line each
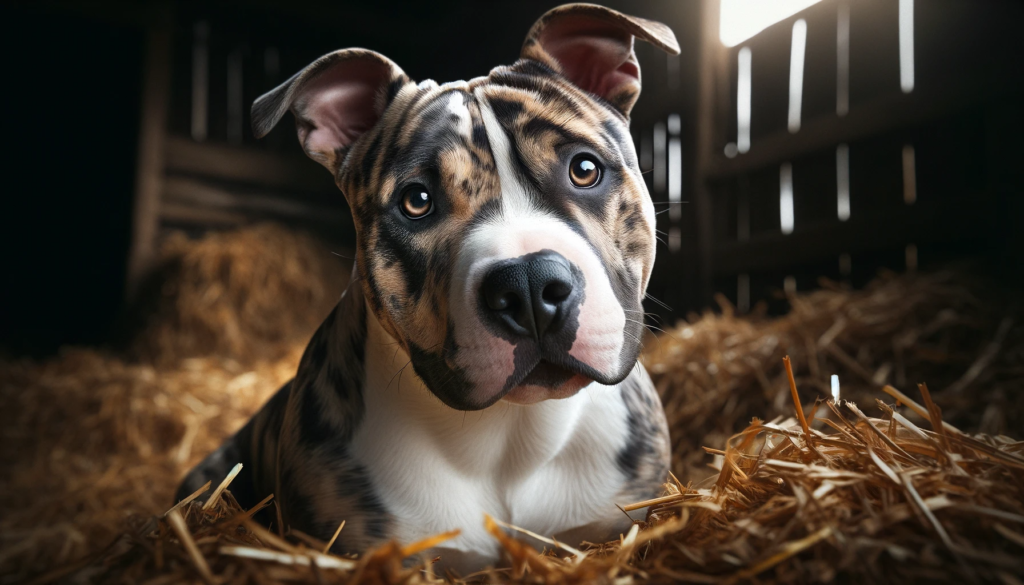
<point>504,438</point>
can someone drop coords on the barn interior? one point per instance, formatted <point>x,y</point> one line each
<point>838,181</point>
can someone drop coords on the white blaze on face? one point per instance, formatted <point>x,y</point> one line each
<point>457,106</point>
<point>520,228</point>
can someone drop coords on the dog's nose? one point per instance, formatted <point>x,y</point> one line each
<point>530,296</point>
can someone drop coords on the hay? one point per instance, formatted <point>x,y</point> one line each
<point>716,372</point>
<point>243,295</point>
<point>94,445</point>
<point>93,437</point>
<point>877,498</point>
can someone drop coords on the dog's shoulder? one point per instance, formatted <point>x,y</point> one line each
<point>318,481</point>
<point>644,460</point>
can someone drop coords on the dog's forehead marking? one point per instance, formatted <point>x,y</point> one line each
<point>515,198</point>
<point>457,106</point>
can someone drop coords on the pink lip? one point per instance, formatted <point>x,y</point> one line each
<point>534,394</point>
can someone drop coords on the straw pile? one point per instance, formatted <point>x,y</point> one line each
<point>92,437</point>
<point>957,331</point>
<point>245,295</point>
<point>94,444</point>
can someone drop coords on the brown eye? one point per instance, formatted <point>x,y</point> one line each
<point>584,171</point>
<point>416,202</point>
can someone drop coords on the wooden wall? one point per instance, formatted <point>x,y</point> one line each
<point>933,173</point>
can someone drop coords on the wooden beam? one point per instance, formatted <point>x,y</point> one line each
<point>922,223</point>
<point>182,213</point>
<point>239,206</point>
<point>247,165</point>
<point>150,162</point>
<point>872,119</point>
<point>711,69</point>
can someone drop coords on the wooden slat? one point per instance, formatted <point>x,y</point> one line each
<point>221,203</point>
<point>180,213</point>
<point>711,71</point>
<point>247,165</point>
<point>953,220</point>
<point>151,152</point>
<point>885,114</point>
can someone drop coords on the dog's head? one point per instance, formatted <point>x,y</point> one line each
<point>505,236</point>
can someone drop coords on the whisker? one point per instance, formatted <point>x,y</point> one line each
<point>657,302</point>
<point>660,330</point>
<point>645,313</point>
<point>402,369</point>
<point>634,339</point>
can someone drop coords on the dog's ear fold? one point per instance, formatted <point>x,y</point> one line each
<point>335,100</point>
<point>592,46</point>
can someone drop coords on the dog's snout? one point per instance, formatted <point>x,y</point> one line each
<point>530,296</point>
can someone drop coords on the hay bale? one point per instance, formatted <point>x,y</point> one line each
<point>245,295</point>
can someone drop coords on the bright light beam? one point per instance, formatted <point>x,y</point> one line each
<point>843,182</point>
<point>796,73</point>
<point>741,19</point>
<point>907,45</point>
<point>743,101</point>
<point>786,219</point>
<point>675,167</point>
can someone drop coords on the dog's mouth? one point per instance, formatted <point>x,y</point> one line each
<point>545,381</point>
<point>547,375</point>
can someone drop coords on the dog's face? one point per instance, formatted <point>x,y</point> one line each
<point>505,236</point>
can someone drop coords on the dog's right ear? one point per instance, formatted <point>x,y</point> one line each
<point>335,100</point>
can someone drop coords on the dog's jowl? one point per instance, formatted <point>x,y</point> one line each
<point>484,358</point>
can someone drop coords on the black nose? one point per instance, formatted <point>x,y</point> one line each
<point>531,295</point>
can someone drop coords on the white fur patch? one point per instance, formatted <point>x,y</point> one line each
<point>548,467</point>
<point>457,106</point>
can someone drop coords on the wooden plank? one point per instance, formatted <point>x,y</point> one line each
<point>889,113</point>
<point>711,70</point>
<point>247,165</point>
<point>151,153</point>
<point>220,203</point>
<point>183,213</point>
<point>922,223</point>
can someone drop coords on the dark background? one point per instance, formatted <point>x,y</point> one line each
<point>91,188</point>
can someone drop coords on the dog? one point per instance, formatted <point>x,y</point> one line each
<point>484,358</point>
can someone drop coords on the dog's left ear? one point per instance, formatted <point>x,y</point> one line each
<point>592,46</point>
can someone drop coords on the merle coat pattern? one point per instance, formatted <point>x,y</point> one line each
<point>483,359</point>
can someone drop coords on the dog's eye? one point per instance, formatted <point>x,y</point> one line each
<point>584,171</point>
<point>416,202</point>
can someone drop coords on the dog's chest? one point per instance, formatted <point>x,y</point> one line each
<point>548,467</point>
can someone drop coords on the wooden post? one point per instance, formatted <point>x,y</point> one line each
<point>156,82</point>
<point>710,73</point>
